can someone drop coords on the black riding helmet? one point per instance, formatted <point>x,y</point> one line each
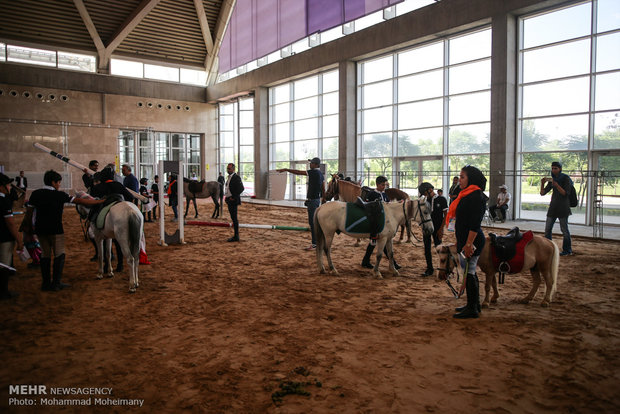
<point>424,187</point>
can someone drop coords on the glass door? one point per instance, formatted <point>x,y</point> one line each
<point>606,188</point>
<point>413,171</point>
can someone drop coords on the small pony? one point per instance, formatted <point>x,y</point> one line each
<point>542,257</point>
<point>331,217</point>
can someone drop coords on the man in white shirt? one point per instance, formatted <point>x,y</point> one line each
<point>503,203</point>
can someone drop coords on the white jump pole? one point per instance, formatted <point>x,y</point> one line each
<point>79,166</point>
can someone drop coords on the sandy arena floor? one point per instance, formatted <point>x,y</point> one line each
<point>250,327</point>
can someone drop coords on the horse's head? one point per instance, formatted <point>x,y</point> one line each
<point>420,211</point>
<point>332,190</point>
<point>82,209</point>
<point>447,260</point>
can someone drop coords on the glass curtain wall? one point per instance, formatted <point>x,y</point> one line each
<point>569,88</point>
<point>146,148</point>
<point>236,139</point>
<point>424,112</point>
<point>303,124</point>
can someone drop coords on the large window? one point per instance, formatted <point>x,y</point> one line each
<point>425,110</point>
<point>236,139</point>
<point>569,110</point>
<point>303,124</point>
<point>146,148</point>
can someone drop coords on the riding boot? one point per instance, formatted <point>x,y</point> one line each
<point>119,254</point>
<point>366,259</point>
<point>473,299</point>
<point>59,264</point>
<point>461,308</point>
<point>4,285</point>
<point>46,273</point>
<point>96,255</point>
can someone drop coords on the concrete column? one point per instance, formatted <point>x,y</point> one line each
<point>347,129</point>
<point>261,141</point>
<point>503,105</point>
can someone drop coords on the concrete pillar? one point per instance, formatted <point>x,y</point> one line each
<point>347,129</point>
<point>261,141</point>
<point>503,106</point>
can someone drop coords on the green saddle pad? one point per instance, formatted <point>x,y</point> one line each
<point>357,222</point>
<point>100,220</point>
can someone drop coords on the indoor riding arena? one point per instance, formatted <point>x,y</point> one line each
<point>247,105</point>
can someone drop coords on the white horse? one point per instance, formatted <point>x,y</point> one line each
<point>331,217</point>
<point>124,223</point>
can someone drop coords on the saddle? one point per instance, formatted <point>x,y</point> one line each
<point>195,186</point>
<point>508,252</point>
<point>358,220</point>
<point>505,247</point>
<point>98,215</point>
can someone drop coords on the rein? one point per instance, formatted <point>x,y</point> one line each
<point>450,271</point>
<point>418,211</point>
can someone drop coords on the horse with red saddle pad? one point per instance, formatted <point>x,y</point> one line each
<point>512,253</point>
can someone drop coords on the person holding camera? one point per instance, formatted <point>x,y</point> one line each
<point>313,195</point>
<point>559,207</point>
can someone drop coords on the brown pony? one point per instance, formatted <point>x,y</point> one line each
<point>341,190</point>
<point>542,257</point>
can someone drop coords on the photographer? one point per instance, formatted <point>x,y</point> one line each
<point>559,208</point>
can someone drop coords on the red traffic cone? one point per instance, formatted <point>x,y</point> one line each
<point>143,258</point>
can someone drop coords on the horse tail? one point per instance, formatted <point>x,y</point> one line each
<point>555,264</point>
<point>135,233</point>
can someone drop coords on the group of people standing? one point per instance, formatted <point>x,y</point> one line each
<point>466,208</point>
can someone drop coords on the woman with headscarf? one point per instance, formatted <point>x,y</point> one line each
<point>468,210</point>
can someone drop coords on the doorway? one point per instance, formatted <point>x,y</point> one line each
<point>412,171</point>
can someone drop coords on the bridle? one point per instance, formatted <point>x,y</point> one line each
<point>418,211</point>
<point>449,271</point>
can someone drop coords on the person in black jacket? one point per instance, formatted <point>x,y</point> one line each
<point>559,207</point>
<point>48,202</point>
<point>87,179</point>
<point>377,194</point>
<point>234,188</point>
<point>155,192</point>
<point>468,210</point>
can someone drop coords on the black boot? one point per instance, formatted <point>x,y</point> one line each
<point>119,254</point>
<point>478,307</point>
<point>59,264</point>
<point>4,285</point>
<point>366,259</point>
<point>46,274</point>
<point>473,299</point>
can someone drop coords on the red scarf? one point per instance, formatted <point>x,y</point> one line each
<point>170,187</point>
<point>464,193</point>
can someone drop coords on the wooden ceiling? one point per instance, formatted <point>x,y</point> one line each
<point>178,32</point>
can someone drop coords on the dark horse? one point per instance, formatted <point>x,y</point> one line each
<point>203,189</point>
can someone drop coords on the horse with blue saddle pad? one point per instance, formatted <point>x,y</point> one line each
<point>347,218</point>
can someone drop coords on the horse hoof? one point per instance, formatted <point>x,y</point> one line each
<point>524,301</point>
<point>395,273</point>
<point>99,277</point>
<point>322,271</point>
<point>485,305</point>
<point>132,290</point>
<point>545,304</point>
<point>334,272</point>
<point>378,275</point>
<point>110,275</point>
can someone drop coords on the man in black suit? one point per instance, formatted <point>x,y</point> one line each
<point>234,188</point>
<point>21,181</point>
